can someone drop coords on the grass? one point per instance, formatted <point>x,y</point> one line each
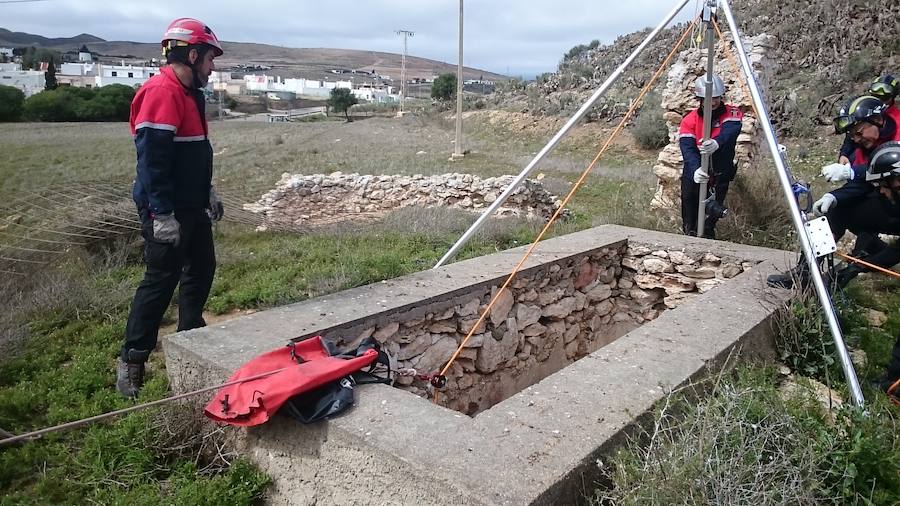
<point>74,319</point>
<point>63,372</point>
<point>63,326</point>
<point>750,442</point>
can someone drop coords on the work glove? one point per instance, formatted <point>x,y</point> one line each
<point>216,209</point>
<point>836,172</point>
<point>166,229</point>
<point>700,176</point>
<point>824,204</point>
<point>708,147</point>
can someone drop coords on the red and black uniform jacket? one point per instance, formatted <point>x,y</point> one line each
<point>174,156</point>
<point>859,188</point>
<point>726,126</point>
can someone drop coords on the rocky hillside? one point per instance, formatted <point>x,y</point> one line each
<point>827,50</point>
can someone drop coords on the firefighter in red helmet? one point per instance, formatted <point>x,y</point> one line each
<point>173,193</point>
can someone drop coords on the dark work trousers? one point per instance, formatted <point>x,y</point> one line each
<point>872,215</point>
<point>690,200</point>
<point>190,266</point>
<point>875,214</point>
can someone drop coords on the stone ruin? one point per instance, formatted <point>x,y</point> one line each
<point>299,201</point>
<point>546,320</point>
<point>678,99</point>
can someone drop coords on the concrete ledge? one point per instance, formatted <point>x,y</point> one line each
<point>536,447</point>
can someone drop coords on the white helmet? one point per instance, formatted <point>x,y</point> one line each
<point>718,86</point>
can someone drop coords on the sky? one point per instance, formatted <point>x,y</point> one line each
<point>513,37</point>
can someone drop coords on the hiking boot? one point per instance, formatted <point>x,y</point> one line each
<point>787,279</point>
<point>129,378</point>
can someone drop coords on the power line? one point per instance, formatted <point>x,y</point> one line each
<point>21,1</point>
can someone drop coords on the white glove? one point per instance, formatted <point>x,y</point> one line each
<point>216,209</point>
<point>700,176</point>
<point>166,228</point>
<point>708,147</point>
<point>824,204</point>
<point>836,172</point>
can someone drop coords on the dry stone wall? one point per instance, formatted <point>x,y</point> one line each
<point>678,100</point>
<point>549,317</point>
<point>300,200</point>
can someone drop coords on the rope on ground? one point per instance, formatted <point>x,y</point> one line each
<point>869,265</point>
<point>91,420</point>
<point>635,104</point>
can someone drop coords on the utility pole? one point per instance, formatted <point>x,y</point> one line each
<point>405,34</point>
<point>457,146</point>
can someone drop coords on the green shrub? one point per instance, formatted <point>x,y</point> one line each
<point>109,103</point>
<point>862,65</point>
<point>444,87</point>
<point>12,101</point>
<point>649,130</point>
<point>803,340</point>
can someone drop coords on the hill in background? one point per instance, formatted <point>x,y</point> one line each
<point>286,62</point>
<point>826,51</point>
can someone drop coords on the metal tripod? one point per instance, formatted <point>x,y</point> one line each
<point>784,175</point>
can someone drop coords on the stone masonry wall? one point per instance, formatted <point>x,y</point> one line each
<point>551,316</point>
<point>678,99</point>
<point>300,200</point>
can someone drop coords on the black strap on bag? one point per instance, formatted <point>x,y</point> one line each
<point>335,397</point>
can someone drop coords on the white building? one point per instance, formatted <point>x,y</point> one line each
<point>302,87</point>
<point>7,51</point>
<point>84,55</point>
<point>380,94</point>
<point>29,81</point>
<point>79,75</point>
<point>129,75</point>
<point>95,75</point>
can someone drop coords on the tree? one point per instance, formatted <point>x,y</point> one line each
<point>341,100</point>
<point>11,103</point>
<point>51,105</point>
<point>50,77</point>
<point>444,86</point>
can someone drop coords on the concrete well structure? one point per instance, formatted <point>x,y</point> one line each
<point>653,311</point>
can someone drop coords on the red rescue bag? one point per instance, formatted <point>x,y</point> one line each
<point>307,365</point>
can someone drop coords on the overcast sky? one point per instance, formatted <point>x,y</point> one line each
<point>519,37</point>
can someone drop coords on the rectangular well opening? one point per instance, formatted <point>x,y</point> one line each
<point>551,316</point>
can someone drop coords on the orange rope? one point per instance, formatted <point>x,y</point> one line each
<point>566,200</point>
<point>867,264</point>
<point>890,391</point>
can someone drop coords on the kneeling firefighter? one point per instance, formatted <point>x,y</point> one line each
<point>865,205</point>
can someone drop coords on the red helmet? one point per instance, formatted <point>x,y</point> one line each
<point>189,31</point>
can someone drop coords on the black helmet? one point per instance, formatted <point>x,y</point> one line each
<point>885,87</point>
<point>863,108</point>
<point>885,162</point>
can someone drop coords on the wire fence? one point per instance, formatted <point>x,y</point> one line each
<point>39,227</point>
